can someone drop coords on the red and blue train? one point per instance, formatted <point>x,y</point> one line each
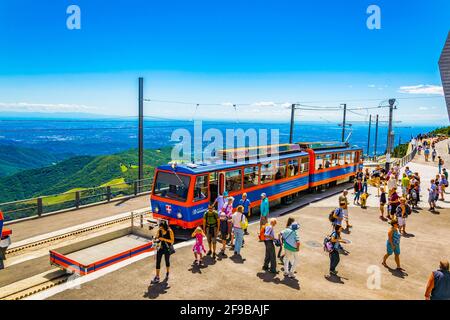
<point>182,192</point>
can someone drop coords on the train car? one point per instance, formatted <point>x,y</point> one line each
<point>331,163</point>
<point>182,192</point>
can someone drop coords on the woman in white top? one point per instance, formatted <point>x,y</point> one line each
<point>238,218</point>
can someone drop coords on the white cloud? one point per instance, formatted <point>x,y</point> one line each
<point>371,86</point>
<point>264,104</point>
<point>44,107</point>
<point>422,89</point>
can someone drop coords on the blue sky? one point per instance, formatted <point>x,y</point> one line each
<point>247,51</point>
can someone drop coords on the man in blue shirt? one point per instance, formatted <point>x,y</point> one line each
<point>245,202</point>
<point>264,209</point>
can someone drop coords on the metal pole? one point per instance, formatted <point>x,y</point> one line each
<point>141,131</point>
<point>343,122</point>
<point>389,137</point>
<point>368,135</point>
<point>291,132</point>
<point>376,137</point>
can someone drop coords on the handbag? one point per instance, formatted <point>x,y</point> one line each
<point>171,249</point>
<point>244,222</point>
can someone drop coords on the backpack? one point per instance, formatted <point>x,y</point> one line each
<point>262,231</point>
<point>208,215</point>
<point>331,216</point>
<point>244,222</point>
<point>327,244</point>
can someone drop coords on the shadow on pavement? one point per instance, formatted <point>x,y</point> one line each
<point>156,289</point>
<point>335,278</point>
<point>271,277</point>
<point>397,273</point>
<point>237,258</point>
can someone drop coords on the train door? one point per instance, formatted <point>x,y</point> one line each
<point>216,184</point>
<point>221,180</point>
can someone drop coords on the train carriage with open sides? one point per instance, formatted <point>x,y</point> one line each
<point>182,192</point>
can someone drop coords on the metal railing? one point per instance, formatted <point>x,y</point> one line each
<point>74,199</point>
<point>403,161</point>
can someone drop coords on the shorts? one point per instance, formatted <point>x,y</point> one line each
<point>345,214</point>
<point>401,221</point>
<point>211,234</point>
<point>389,250</point>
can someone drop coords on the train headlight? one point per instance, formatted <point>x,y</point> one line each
<point>179,215</point>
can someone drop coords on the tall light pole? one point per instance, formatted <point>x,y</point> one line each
<point>376,137</point>
<point>368,135</point>
<point>343,122</point>
<point>291,131</point>
<point>141,134</point>
<point>390,134</point>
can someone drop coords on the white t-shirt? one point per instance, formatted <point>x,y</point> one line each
<point>236,219</point>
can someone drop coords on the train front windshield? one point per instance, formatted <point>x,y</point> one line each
<point>171,186</point>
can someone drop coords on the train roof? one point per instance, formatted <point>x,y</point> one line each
<point>198,168</point>
<point>189,168</point>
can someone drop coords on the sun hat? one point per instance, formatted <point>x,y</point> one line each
<point>295,226</point>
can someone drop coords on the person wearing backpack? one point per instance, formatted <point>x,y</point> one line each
<point>239,224</point>
<point>270,263</point>
<point>211,229</point>
<point>333,246</point>
<point>291,245</point>
<point>337,216</point>
<point>402,212</point>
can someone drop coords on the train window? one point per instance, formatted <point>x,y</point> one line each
<point>213,176</point>
<point>327,161</point>
<point>304,164</point>
<point>266,173</point>
<point>347,158</point>
<point>280,173</point>
<point>319,162</point>
<point>341,158</point>
<point>201,188</point>
<point>172,186</point>
<point>251,177</point>
<point>352,157</point>
<point>233,180</point>
<point>335,159</point>
<point>292,168</point>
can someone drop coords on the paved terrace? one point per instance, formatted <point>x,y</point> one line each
<point>231,278</point>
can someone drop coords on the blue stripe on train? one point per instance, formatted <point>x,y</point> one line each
<point>329,174</point>
<point>196,212</point>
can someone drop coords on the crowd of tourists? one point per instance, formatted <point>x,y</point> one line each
<point>399,193</point>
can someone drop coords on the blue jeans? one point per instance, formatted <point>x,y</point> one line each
<point>357,194</point>
<point>364,190</point>
<point>440,168</point>
<point>238,237</point>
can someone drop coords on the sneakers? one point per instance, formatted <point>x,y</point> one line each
<point>291,275</point>
<point>214,255</point>
<point>209,253</point>
<point>167,277</point>
<point>265,268</point>
<point>155,280</point>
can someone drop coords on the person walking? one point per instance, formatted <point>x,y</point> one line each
<point>366,179</point>
<point>402,212</point>
<point>211,226</point>
<point>405,184</point>
<point>291,245</point>
<point>438,286</point>
<point>393,245</point>
<point>358,187</point>
<point>343,199</point>
<point>270,263</point>
<point>444,171</point>
<point>239,223</point>
<point>440,164</point>
<point>442,184</point>
<point>433,154</point>
<point>198,247</point>
<point>394,201</point>
<point>338,215</point>
<point>432,196</point>
<point>228,210</point>
<point>223,228</point>
<point>383,202</point>
<point>264,210</point>
<point>221,200</point>
<point>336,240</point>
<point>165,239</point>
<point>427,153</point>
<point>280,253</point>
<point>246,203</point>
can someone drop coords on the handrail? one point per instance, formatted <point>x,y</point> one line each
<point>71,200</point>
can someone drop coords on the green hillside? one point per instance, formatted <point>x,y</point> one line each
<point>15,159</point>
<point>79,172</point>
